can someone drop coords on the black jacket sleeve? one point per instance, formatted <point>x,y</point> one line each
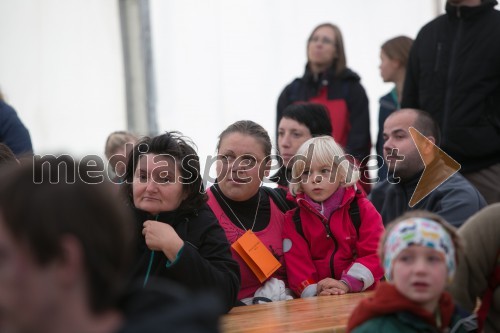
<point>410,89</point>
<point>283,102</point>
<point>359,140</point>
<point>205,261</point>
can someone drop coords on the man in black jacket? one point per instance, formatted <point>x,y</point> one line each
<point>454,74</point>
<point>454,198</point>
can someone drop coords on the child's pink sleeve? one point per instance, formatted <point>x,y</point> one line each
<point>366,269</point>
<point>300,269</point>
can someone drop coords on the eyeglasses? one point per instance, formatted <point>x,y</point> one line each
<point>322,40</point>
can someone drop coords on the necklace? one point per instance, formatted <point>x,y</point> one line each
<point>237,219</point>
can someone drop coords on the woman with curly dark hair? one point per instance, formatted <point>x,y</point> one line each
<point>180,238</point>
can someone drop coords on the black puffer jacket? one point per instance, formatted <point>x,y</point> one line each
<point>167,307</point>
<point>454,74</point>
<point>344,88</point>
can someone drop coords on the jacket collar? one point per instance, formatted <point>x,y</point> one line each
<point>347,196</point>
<point>173,218</point>
<point>466,12</point>
<point>387,300</point>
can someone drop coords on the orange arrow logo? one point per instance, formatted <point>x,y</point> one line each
<point>439,166</point>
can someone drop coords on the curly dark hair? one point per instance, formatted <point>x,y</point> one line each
<point>180,148</point>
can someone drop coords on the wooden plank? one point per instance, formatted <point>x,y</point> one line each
<point>314,314</point>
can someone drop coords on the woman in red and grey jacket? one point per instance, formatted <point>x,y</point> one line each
<point>327,80</point>
<point>330,241</point>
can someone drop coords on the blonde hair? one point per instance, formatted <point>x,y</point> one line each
<point>326,151</point>
<point>116,141</point>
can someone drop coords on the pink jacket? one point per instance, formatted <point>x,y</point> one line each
<point>331,248</point>
<point>270,236</point>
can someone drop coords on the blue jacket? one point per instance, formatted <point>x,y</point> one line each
<point>12,131</point>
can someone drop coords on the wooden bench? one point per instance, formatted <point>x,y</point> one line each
<point>314,314</point>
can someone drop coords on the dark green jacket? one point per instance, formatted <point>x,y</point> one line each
<point>406,322</point>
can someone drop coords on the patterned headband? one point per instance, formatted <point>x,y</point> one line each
<point>418,231</point>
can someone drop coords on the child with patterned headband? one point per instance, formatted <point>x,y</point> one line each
<point>418,252</point>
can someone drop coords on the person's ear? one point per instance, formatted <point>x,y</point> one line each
<point>267,168</point>
<point>71,265</point>
<point>185,192</point>
<point>430,144</point>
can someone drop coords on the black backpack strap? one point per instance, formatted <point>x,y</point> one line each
<point>278,198</point>
<point>298,222</point>
<point>354,213</point>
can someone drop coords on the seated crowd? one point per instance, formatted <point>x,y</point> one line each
<point>164,240</point>
<point>150,249</point>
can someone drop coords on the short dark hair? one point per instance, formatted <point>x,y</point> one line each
<point>252,129</point>
<point>39,214</point>
<point>314,116</point>
<point>426,125</point>
<point>179,147</point>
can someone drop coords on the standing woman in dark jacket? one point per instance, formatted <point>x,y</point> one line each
<point>180,238</point>
<point>328,81</point>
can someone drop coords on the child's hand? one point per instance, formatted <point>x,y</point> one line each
<point>162,237</point>
<point>331,286</point>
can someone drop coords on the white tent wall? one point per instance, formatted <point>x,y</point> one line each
<point>61,68</point>
<point>221,61</point>
<point>216,62</point>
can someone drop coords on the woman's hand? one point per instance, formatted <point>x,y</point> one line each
<point>162,237</point>
<point>331,286</point>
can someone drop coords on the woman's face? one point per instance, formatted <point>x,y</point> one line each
<point>157,184</point>
<point>240,166</point>
<point>291,135</point>
<point>388,68</point>
<point>321,50</point>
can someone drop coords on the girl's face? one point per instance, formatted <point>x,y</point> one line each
<point>240,166</point>
<point>320,181</point>
<point>388,68</point>
<point>291,135</point>
<point>321,50</point>
<point>157,184</point>
<point>420,274</point>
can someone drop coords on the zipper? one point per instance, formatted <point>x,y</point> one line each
<point>449,85</point>
<point>329,234</point>
<point>438,56</point>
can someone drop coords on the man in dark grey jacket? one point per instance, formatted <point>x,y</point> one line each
<point>454,198</point>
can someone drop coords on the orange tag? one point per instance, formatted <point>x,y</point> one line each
<point>256,255</point>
